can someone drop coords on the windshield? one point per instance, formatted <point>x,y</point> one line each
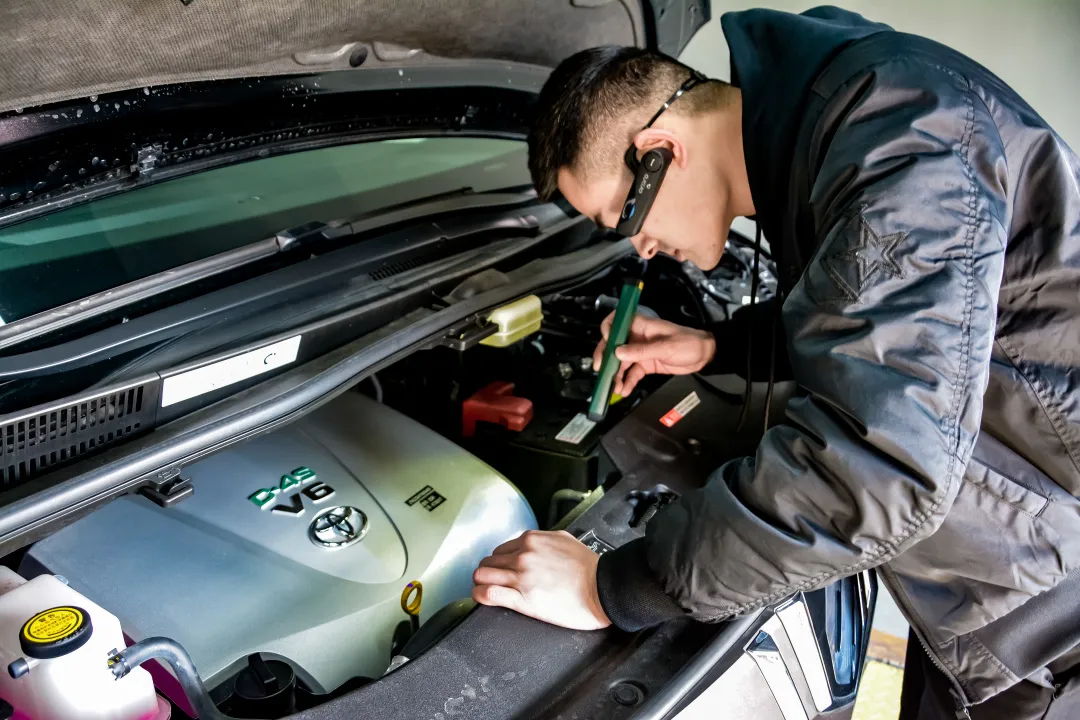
<point>83,250</point>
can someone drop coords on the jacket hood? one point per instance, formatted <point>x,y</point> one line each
<point>775,57</point>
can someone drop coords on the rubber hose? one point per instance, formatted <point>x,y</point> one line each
<point>557,497</point>
<point>173,653</point>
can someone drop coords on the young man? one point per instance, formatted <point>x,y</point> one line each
<point>926,225</point>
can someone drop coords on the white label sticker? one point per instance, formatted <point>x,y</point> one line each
<point>221,374</point>
<point>576,430</point>
<point>681,410</point>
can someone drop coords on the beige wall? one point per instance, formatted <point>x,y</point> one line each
<point>1034,45</point>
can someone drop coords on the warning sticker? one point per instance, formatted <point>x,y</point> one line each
<point>681,410</point>
<point>576,430</point>
<point>52,625</point>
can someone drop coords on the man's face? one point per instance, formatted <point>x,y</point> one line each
<point>688,219</point>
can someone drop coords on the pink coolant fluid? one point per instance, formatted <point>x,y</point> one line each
<point>163,712</point>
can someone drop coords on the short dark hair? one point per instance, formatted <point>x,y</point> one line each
<point>592,101</point>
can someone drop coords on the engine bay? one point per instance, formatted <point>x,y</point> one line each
<point>312,560</point>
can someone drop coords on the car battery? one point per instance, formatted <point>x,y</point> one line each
<point>557,449</point>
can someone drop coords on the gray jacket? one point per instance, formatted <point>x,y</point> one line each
<point>926,223</point>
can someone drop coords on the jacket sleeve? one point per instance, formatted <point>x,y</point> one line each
<point>750,325</point>
<point>890,330</point>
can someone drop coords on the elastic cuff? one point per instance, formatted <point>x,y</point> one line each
<point>629,594</point>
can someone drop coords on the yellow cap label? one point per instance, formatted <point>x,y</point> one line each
<point>53,624</point>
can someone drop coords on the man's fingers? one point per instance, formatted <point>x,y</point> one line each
<point>605,327</point>
<point>499,596</point>
<point>633,377</point>
<point>619,373</point>
<point>641,352</point>
<point>643,324</point>
<point>508,561</point>
<point>509,546</point>
<point>495,576</point>
<point>598,355</point>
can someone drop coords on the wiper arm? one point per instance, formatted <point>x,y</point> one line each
<point>98,304</point>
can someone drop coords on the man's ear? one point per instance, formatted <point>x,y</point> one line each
<point>653,137</point>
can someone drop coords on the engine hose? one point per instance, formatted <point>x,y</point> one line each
<point>566,494</point>
<point>173,653</point>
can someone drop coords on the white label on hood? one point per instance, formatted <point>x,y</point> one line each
<point>226,372</point>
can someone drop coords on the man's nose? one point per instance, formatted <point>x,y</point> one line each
<point>646,246</point>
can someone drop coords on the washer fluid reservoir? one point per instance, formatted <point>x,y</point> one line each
<point>54,650</point>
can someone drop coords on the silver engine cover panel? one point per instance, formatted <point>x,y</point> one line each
<point>227,578</point>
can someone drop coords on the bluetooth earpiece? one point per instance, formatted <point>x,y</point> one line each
<point>648,174</point>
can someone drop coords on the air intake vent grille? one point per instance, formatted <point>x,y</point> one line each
<point>36,441</point>
<point>394,268</point>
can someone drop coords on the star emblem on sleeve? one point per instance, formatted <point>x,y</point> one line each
<point>870,258</point>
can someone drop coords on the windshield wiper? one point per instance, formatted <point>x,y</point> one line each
<point>98,304</point>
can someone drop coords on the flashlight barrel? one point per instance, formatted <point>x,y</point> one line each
<point>620,332</point>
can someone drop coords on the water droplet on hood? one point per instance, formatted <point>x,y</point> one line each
<point>146,91</point>
<point>78,113</point>
<point>53,166</point>
<point>116,105</point>
<point>400,72</point>
<point>93,98</point>
<point>97,108</point>
<point>18,111</point>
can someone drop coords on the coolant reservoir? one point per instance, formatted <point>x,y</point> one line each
<point>54,651</point>
<point>516,320</point>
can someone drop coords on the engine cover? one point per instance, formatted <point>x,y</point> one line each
<point>296,544</point>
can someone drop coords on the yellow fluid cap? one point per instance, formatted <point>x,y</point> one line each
<point>412,607</point>
<point>519,319</point>
<point>55,632</point>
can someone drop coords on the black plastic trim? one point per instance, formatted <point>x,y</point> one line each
<point>696,675</point>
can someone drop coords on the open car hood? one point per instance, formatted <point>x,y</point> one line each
<point>97,98</point>
<point>57,50</point>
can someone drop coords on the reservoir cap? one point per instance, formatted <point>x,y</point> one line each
<point>55,632</point>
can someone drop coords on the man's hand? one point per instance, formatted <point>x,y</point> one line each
<point>549,576</point>
<point>656,346</point>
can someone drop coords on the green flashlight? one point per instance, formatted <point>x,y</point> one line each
<point>620,331</point>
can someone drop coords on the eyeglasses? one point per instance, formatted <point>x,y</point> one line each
<point>650,170</point>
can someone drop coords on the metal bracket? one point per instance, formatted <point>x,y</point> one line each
<point>470,333</point>
<point>169,491</point>
<point>147,160</point>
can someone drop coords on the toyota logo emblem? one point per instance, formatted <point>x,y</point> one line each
<point>338,527</point>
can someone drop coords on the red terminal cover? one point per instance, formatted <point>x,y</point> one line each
<point>496,403</point>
